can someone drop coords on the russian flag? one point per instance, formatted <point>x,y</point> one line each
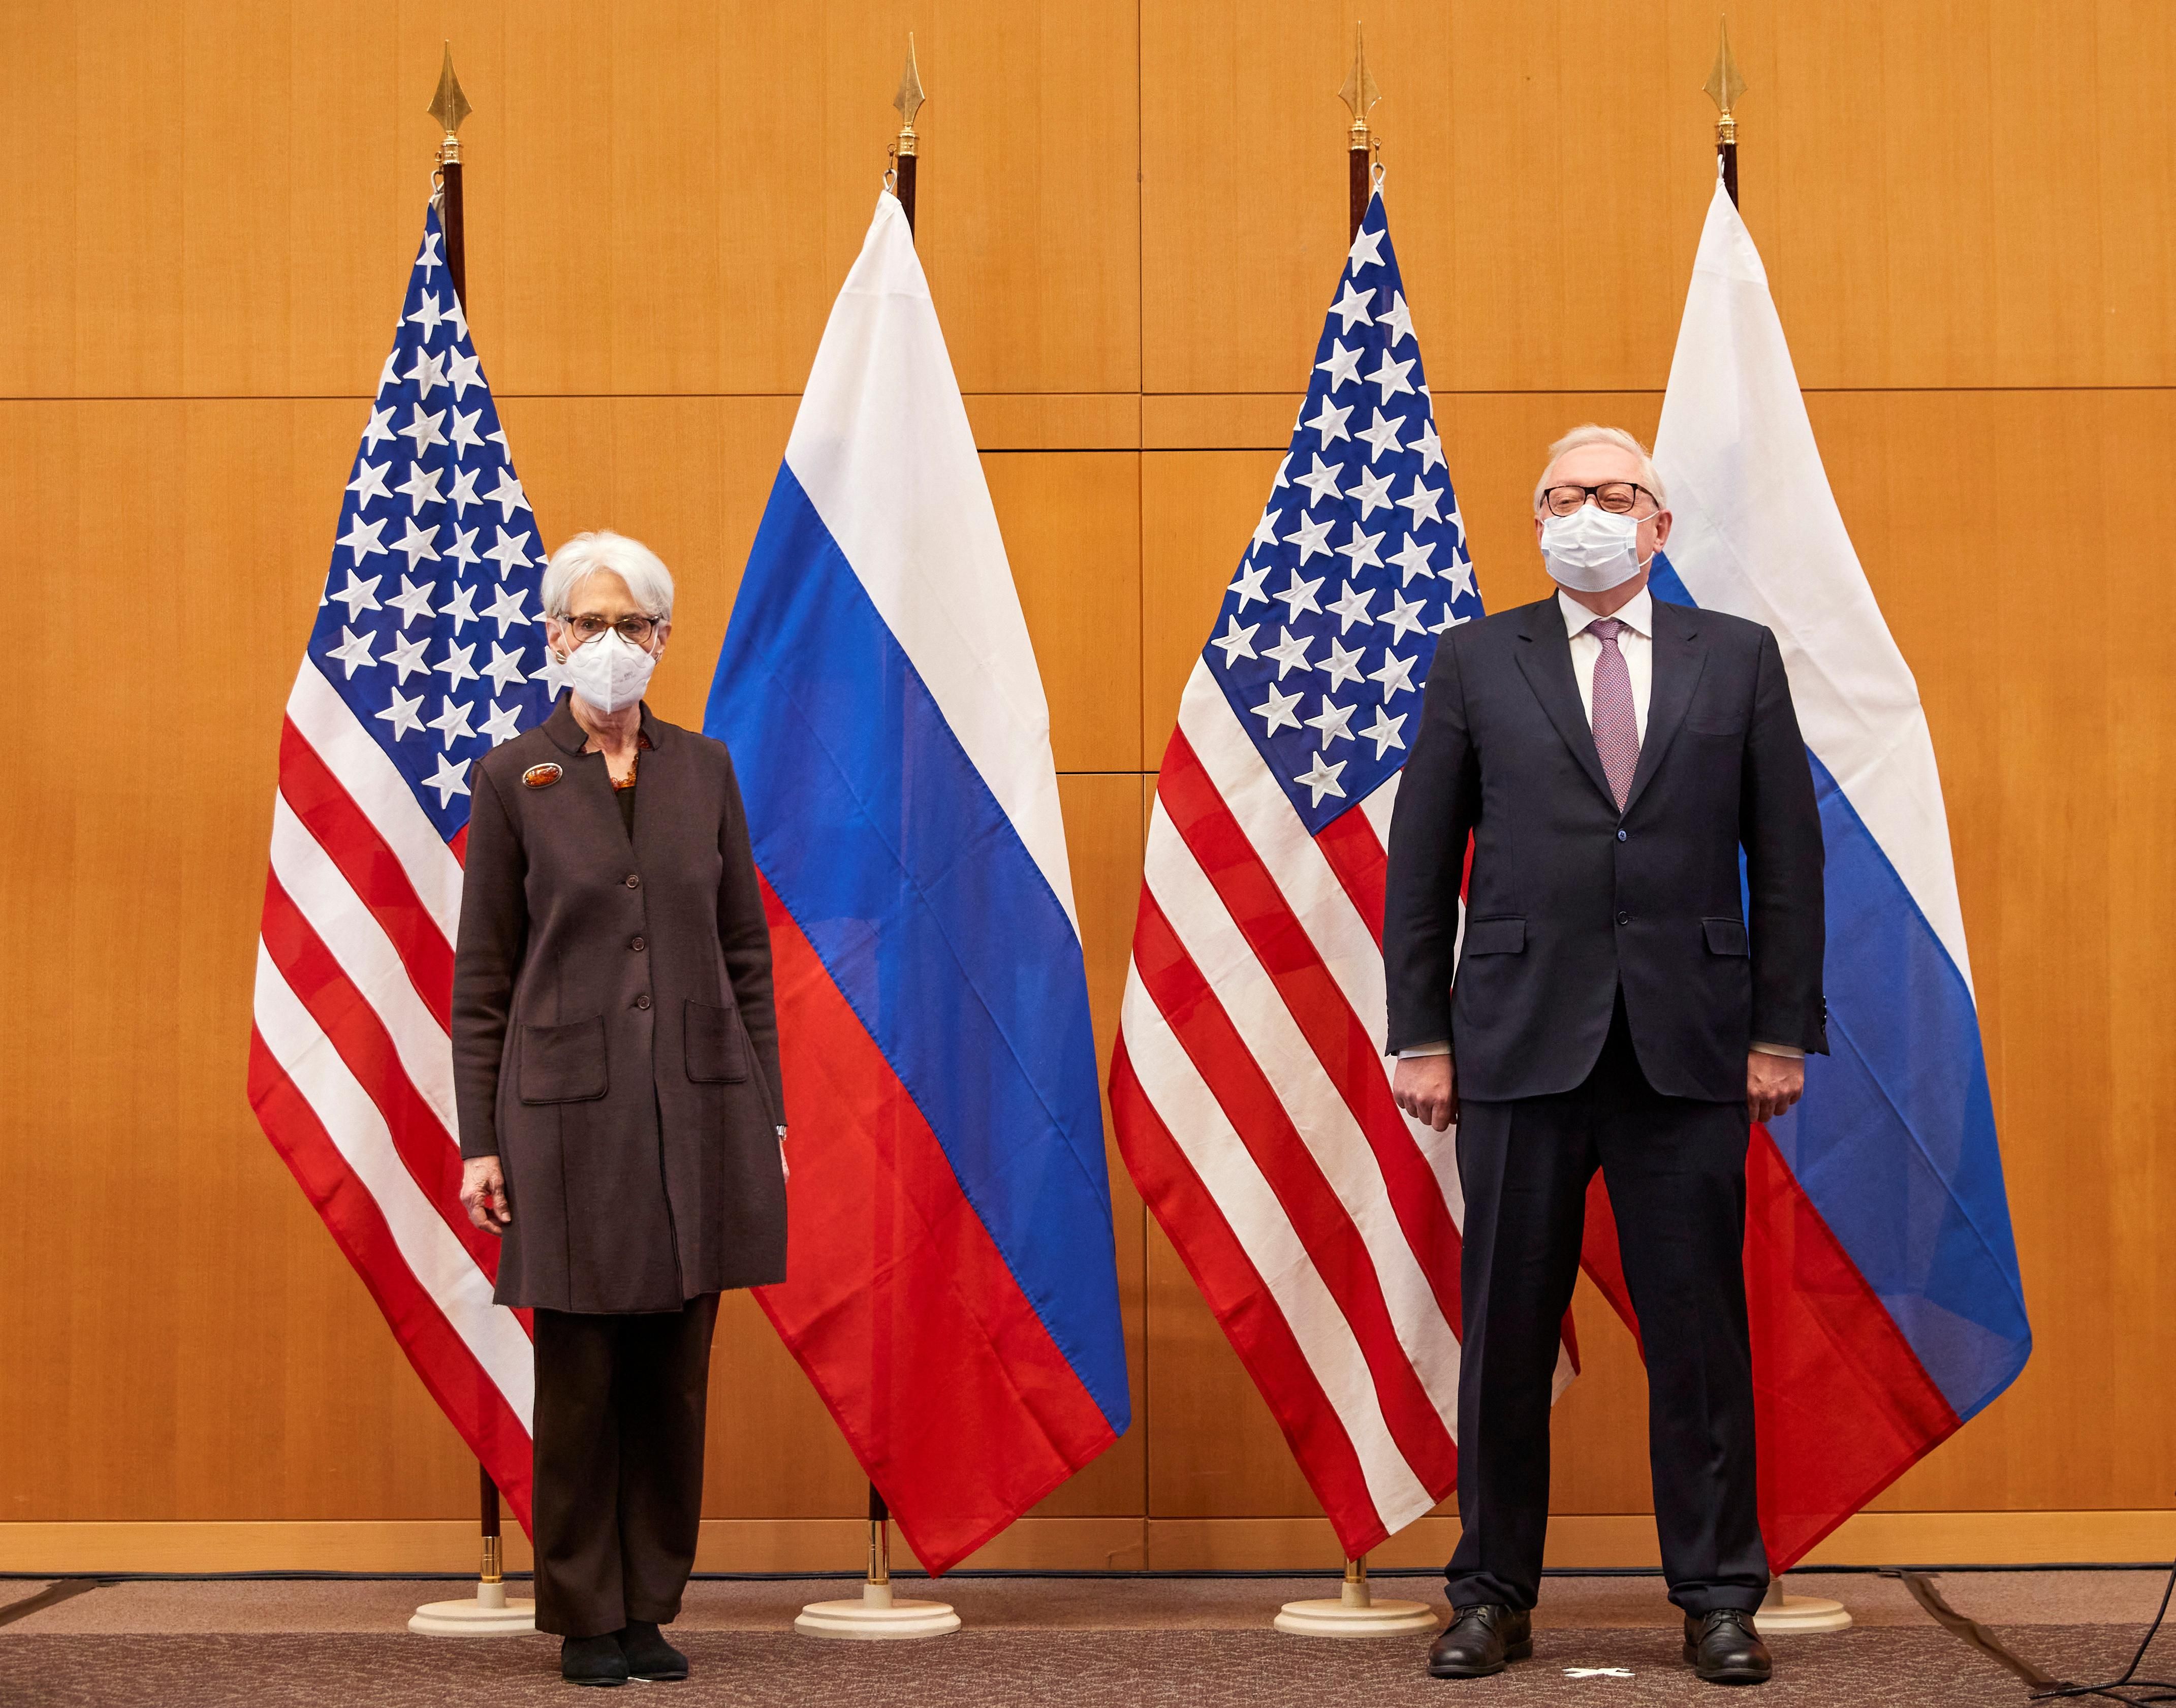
<point>1881,1273</point>
<point>953,1287</point>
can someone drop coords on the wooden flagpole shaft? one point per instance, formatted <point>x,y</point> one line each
<point>1726,151</point>
<point>452,218</point>
<point>1357,193</point>
<point>905,184</point>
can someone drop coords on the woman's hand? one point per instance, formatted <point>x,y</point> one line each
<point>483,1194</point>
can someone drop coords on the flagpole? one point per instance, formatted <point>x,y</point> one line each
<point>1356,1612</point>
<point>879,1614</point>
<point>490,1611</point>
<point>1778,1613</point>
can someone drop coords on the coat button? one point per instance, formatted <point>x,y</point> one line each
<point>642,1001</point>
<point>636,944</point>
<point>1620,835</point>
<point>634,882</point>
<point>1624,919</point>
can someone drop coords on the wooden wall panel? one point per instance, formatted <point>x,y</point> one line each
<point>1945,195</point>
<point>1132,215</point>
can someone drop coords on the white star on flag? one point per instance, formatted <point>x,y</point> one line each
<point>407,654</point>
<point>1279,711</point>
<point>1320,779</point>
<point>1237,642</point>
<point>403,713</point>
<point>1383,732</point>
<point>449,780</point>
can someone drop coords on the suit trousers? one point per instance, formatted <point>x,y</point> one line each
<point>619,1415</point>
<point>1675,1169</point>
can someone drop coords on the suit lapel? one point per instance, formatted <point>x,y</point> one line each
<point>1546,659</point>
<point>1678,659</point>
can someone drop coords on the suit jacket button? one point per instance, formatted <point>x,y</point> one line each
<point>636,944</point>
<point>634,882</point>
<point>642,1001</point>
<point>1624,919</point>
<point>1620,835</point>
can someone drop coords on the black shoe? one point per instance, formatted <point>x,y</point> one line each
<point>1478,1641</point>
<point>649,1656</point>
<point>1724,1648</point>
<point>592,1660</point>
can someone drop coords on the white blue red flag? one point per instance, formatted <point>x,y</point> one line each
<point>952,1286</point>
<point>1881,1272</point>
<point>427,652</point>
<point>1250,1091</point>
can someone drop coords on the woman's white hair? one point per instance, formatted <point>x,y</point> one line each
<point>580,557</point>
<point>1593,434</point>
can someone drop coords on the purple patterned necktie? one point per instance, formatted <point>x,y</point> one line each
<point>1616,727</point>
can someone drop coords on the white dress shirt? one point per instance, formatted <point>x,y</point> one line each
<point>1635,640</point>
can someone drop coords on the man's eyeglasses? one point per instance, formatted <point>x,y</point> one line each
<point>636,630</point>
<point>1619,498</point>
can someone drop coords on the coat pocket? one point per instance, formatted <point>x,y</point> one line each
<point>1506,934</point>
<point>562,1065</point>
<point>1724,936</point>
<point>717,1052</point>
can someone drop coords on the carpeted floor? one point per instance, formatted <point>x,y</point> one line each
<point>1043,1642</point>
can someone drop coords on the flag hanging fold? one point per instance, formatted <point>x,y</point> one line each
<point>1251,1098</point>
<point>427,652</point>
<point>1882,1276</point>
<point>953,1288</point>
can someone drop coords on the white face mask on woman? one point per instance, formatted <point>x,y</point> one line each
<point>1591,550</point>
<point>611,672</point>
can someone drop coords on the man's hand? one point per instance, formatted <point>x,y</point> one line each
<point>1426,1087</point>
<point>483,1194</point>
<point>1772,1084</point>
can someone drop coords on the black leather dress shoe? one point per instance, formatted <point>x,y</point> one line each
<point>592,1660</point>
<point>1479,1640</point>
<point>649,1656</point>
<point>1724,1649</point>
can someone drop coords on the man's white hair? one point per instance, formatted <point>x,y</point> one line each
<point>580,557</point>
<point>1593,434</point>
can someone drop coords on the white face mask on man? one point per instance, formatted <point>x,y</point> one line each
<point>1591,550</point>
<point>611,672</point>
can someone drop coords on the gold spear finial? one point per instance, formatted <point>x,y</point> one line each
<point>449,107</point>
<point>1723,86</point>
<point>909,99</point>
<point>1359,92</point>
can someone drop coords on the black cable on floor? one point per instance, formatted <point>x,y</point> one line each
<point>2131,1680</point>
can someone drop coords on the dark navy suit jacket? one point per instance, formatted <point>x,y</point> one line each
<point>1569,899</point>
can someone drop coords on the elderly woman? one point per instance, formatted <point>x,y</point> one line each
<point>615,1069</point>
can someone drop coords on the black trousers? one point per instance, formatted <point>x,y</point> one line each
<point>620,1417</point>
<point>1675,1169</point>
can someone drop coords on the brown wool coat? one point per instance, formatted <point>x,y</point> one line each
<point>614,1042</point>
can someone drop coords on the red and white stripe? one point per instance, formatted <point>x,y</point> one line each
<point>1253,1105</point>
<point>352,1066</point>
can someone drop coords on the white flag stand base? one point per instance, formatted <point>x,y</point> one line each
<point>876,1618</point>
<point>489,1614</point>
<point>1355,1613</point>
<point>1783,1616</point>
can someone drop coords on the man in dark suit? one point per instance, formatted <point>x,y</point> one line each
<point>1619,1001</point>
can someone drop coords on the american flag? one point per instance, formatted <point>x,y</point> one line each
<point>1251,1098</point>
<point>428,651</point>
